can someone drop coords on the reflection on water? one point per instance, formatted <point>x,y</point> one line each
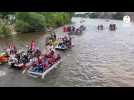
<point>99,58</point>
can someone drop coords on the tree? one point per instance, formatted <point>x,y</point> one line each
<point>29,21</point>
<point>38,21</point>
<point>4,14</point>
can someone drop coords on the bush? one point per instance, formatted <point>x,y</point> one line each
<point>22,26</point>
<point>29,22</point>
<point>37,21</point>
<point>4,30</point>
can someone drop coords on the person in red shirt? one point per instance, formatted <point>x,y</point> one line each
<point>64,29</point>
<point>46,61</point>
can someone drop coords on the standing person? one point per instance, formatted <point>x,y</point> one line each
<point>70,42</point>
<point>65,29</point>
<point>68,28</point>
<point>46,62</point>
<point>29,50</point>
<point>33,45</point>
<point>37,52</point>
<point>13,49</point>
<point>98,27</point>
<point>55,36</point>
<point>51,36</point>
<point>50,48</point>
<point>73,29</point>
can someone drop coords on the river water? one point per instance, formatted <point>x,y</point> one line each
<point>99,58</point>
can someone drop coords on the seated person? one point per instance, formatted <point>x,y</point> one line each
<point>50,42</point>
<point>51,57</point>
<point>38,68</point>
<point>34,62</point>
<point>47,62</point>
<point>61,45</point>
<point>50,48</point>
<point>37,52</point>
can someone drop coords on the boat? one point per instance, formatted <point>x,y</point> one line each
<point>42,75</point>
<point>3,57</point>
<point>78,32</point>
<point>82,28</point>
<point>112,27</point>
<point>60,48</point>
<point>13,62</point>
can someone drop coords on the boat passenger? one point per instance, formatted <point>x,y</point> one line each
<point>50,48</point>
<point>25,59</point>
<point>69,28</point>
<point>37,52</point>
<point>55,36</point>
<point>38,68</point>
<point>46,62</point>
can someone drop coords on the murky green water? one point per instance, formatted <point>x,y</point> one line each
<point>99,58</point>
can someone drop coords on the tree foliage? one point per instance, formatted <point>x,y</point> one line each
<point>33,21</point>
<point>38,21</point>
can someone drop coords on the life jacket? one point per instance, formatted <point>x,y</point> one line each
<point>50,42</point>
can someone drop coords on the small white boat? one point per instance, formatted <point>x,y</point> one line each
<point>60,48</point>
<point>42,75</point>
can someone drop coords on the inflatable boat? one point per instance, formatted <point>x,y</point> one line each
<point>45,72</point>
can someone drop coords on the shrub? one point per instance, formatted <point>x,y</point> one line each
<point>37,21</point>
<point>4,30</point>
<point>22,26</point>
<point>29,22</point>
